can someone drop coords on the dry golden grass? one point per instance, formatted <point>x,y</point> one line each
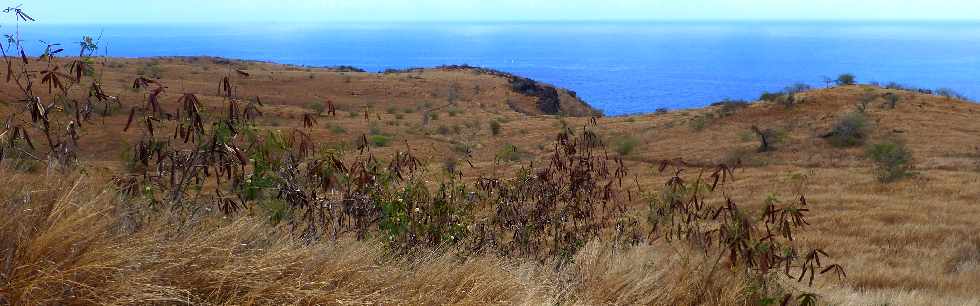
<point>68,241</point>
<point>915,242</point>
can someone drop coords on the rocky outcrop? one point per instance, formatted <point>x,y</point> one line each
<point>548,100</point>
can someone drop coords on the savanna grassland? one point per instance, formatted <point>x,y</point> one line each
<point>199,180</point>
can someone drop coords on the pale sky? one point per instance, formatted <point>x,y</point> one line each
<point>305,11</point>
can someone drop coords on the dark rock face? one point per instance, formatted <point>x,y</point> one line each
<point>548,100</point>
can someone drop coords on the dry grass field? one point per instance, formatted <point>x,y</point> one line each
<point>68,237</point>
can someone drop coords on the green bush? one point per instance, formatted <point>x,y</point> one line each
<point>770,96</point>
<point>317,107</point>
<point>699,123</point>
<point>892,160</point>
<point>624,145</point>
<point>336,129</point>
<point>461,148</point>
<point>851,130</point>
<point>495,128</point>
<point>453,112</point>
<point>379,140</point>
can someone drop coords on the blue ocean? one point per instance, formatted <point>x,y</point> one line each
<point>620,68</point>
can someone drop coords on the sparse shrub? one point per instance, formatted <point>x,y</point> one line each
<point>849,131</point>
<point>866,98</point>
<point>379,140</point>
<point>317,107</point>
<point>797,88</point>
<point>453,112</point>
<point>472,124</point>
<point>951,94</point>
<point>151,70</point>
<point>452,93</point>
<point>494,128</point>
<point>352,114</point>
<point>442,130</point>
<point>770,96</point>
<point>741,157</point>
<point>373,129</point>
<point>730,107</point>
<point>391,110</point>
<point>892,160</point>
<point>399,116</point>
<point>449,165</point>
<point>24,165</point>
<point>787,100</point>
<point>337,129</point>
<point>624,145</point>
<point>746,136</point>
<point>510,152</point>
<point>461,148</point>
<point>891,99</point>
<point>787,97</point>
<point>846,79</point>
<point>698,123</point>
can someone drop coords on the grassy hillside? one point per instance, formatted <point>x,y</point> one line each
<point>911,240</point>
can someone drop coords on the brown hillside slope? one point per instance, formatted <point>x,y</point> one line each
<point>915,241</point>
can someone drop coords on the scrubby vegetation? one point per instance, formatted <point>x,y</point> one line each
<point>246,196</point>
<point>891,158</point>
<point>494,128</point>
<point>850,130</point>
<point>624,145</point>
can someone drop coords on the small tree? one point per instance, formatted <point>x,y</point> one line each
<point>828,81</point>
<point>767,138</point>
<point>797,88</point>
<point>846,79</point>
